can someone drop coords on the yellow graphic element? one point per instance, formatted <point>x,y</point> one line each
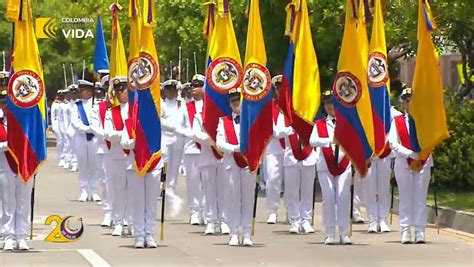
<point>45,28</point>
<point>66,230</point>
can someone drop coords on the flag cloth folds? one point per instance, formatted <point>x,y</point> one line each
<point>300,89</point>
<point>135,23</point>
<point>256,123</point>
<point>101,59</point>
<point>428,117</point>
<point>118,59</point>
<point>26,101</point>
<point>224,69</point>
<point>354,130</point>
<point>147,125</point>
<point>13,9</point>
<point>378,78</point>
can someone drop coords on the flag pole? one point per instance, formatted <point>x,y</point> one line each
<point>83,68</point>
<point>179,64</point>
<point>72,73</point>
<point>4,62</point>
<point>434,185</point>
<point>257,180</point>
<point>187,70</point>
<point>163,202</point>
<point>32,208</point>
<point>314,198</point>
<point>195,64</point>
<point>392,181</point>
<point>65,77</point>
<point>352,202</point>
<point>171,70</point>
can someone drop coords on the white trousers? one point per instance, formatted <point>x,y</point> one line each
<point>360,191</point>
<point>273,173</point>
<point>16,204</point>
<point>299,186</point>
<point>336,201</point>
<point>121,191</point>
<point>413,190</point>
<point>194,183</point>
<point>240,198</point>
<point>106,182</point>
<point>173,154</point>
<point>216,190</point>
<point>67,148</point>
<point>59,145</point>
<point>143,205</point>
<point>87,164</point>
<point>378,190</point>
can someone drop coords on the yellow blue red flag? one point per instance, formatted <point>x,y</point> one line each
<point>26,101</point>
<point>428,117</point>
<point>256,123</point>
<point>135,23</point>
<point>118,59</point>
<point>378,78</point>
<point>224,69</point>
<point>354,130</point>
<point>300,89</point>
<point>146,75</point>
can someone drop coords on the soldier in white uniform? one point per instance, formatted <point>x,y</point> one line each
<point>55,124</point>
<point>273,161</point>
<point>3,84</point>
<point>412,175</point>
<point>86,123</point>
<point>242,181</point>
<point>144,190</point>
<point>378,188</point>
<point>360,192</point>
<point>74,90</point>
<point>16,194</point>
<point>192,156</point>
<point>299,173</point>
<point>210,166</point>
<point>65,109</point>
<point>103,157</point>
<point>114,127</point>
<point>334,177</point>
<point>173,121</point>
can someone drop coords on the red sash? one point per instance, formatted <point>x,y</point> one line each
<point>118,122</point>
<point>299,152</point>
<point>232,139</point>
<point>386,152</point>
<point>8,155</point>
<point>102,111</point>
<point>191,107</point>
<point>328,152</point>
<point>276,113</point>
<point>404,135</point>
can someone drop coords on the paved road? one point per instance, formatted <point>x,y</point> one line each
<point>186,245</point>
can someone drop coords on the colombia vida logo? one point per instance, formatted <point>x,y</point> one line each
<point>66,230</point>
<point>70,28</point>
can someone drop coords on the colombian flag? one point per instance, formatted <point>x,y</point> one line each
<point>427,113</point>
<point>135,23</point>
<point>209,21</point>
<point>26,113</point>
<point>224,69</point>
<point>300,89</point>
<point>256,124</point>
<point>147,125</point>
<point>101,59</point>
<point>118,60</point>
<point>378,81</point>
<point>354,127</point>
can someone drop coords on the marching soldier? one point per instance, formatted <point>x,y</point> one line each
<point>86,123</point>
<point>74,90</point>
<point>103,158</point>
<point>334,176</point>
<point>412,175</point>
<point>172,142</point>
<point>299,171</point>
<point>15,194</point>
<point>210,167</point>
<point>192,156</point>
<point>55,124</point>
<point>114,127</point>
<point>378,188</point>
<point>65,109</point>
<point>241,181</point>
<point>273,161</point>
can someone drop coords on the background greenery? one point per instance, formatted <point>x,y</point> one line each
<point>180,24</point>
